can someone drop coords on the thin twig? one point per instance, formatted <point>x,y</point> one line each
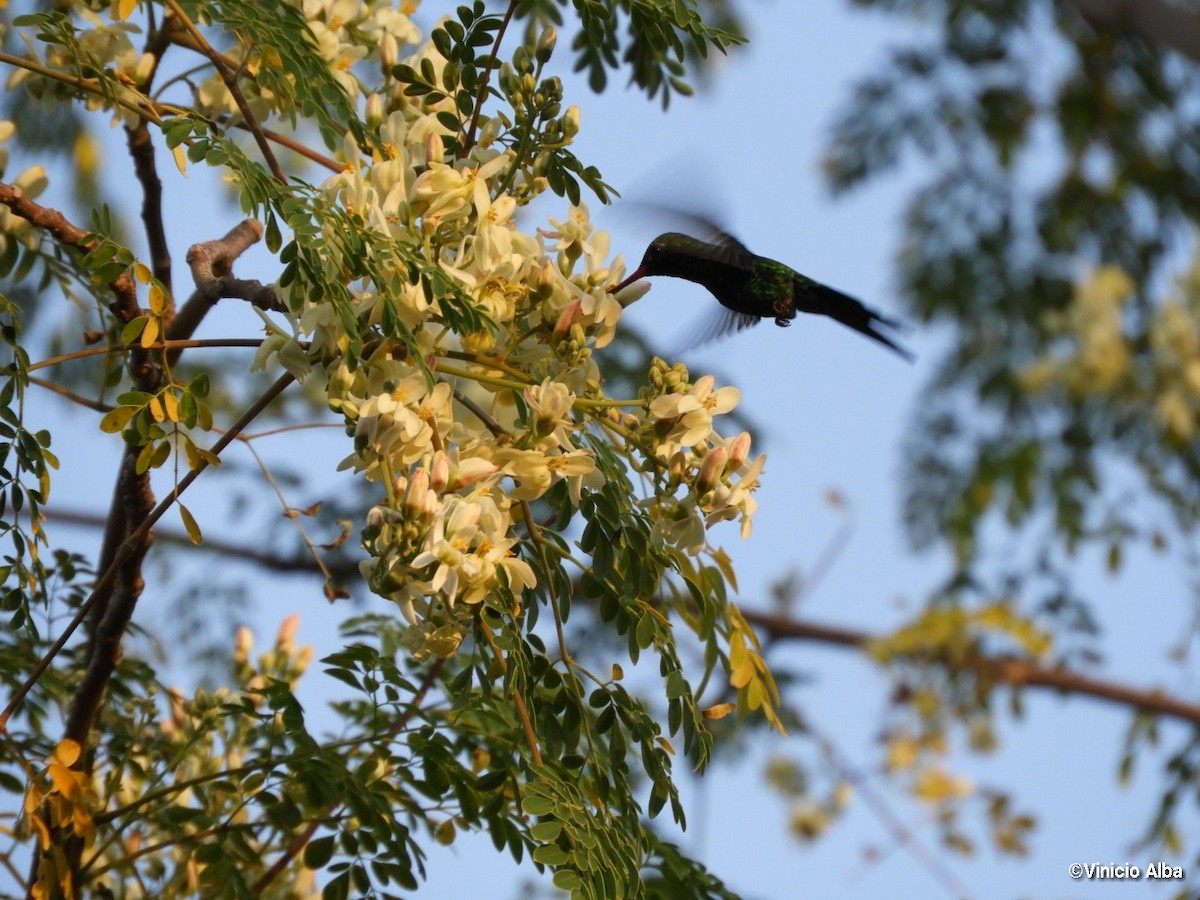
<point>481,94</point>
<point>1005,670</point>
<point>297,846</point>
<point>70,395</point>
<point>157,345</point>
<point>126,549</point>
<point>883,812</point>
<point>229,77</point>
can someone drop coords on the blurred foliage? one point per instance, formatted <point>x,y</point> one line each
<point>1053,241</point>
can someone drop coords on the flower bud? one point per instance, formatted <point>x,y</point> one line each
<point>435,149</point>
<point>243,643</point>
<point>440,471</point>
<point>418,487</point>
<point>739,450</point>
<point>711,470</point>
<point>373,526</point>
<point>570,122</point>
<point>287,632</point>
<point>545,44</point>
<point>374,110</point>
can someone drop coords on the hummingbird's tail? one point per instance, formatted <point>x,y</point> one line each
<point>853,314</point>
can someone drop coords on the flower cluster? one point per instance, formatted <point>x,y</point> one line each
<point>457,346</point>
<point>716,475</point>
<point>464,429</point>
<point>1101,360</point>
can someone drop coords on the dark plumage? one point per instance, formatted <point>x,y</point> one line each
<point>752,287</point>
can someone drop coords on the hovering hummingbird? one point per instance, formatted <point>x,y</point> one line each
<point>752,287</point>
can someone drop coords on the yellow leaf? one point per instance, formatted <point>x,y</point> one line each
<point>666,745</point>
<point>755,694</point>
<point>445,833</point>
<point>33,799</point>
<point>725,564</point>
<point>189,523</point>
<point>155,408</point>
<point>936,786</point>
<point>170,406</point>
<point>145,459</point>
<point>64,780</point>
<point>180,159</point>
<point>117,419</point>
<point>149,333</point>
<point>901,753</point>
<point>617,672</point>
<point>719,711</point>
<point>189,451</point>
<point>158,299</point>
<point>125,9</point>
<point>67,752</point>
<point>142,273</point>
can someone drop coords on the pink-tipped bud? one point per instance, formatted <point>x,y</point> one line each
<point>568,317</point>
<point>429,509</point>
<point>435,149</point>
<point>711,470</point>
<point>287,631</point>
<point>739,451</point>
<point>243,643</point>
<point>439,473</point>
<point>418,487</point>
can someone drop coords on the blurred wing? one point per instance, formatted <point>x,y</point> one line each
<point>726,248</point>
<point>721,323</point>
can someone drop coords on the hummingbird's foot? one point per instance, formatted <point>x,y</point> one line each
<point>782,321</point>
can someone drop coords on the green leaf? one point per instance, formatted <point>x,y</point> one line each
<point>536,806</point>
<point>318,852</point>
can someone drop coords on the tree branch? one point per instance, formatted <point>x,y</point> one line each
<point>127,547</point>
<point>1006,670</point>
<point>212,271</point>
<point>1155,21</point>
<point>230,78</point>
<point>141,149</point>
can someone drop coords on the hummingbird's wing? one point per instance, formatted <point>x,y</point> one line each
<point>720,323</point>
<point>726,248</point>
<point>714,326</point>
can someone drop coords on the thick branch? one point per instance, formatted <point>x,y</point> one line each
<point>54,222</point>
<point>141,148</point>
<point>212,267</point>
<point>133,501</point>
<point>1154,21</point>
<point>1006,670</point>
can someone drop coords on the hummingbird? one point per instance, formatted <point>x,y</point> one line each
<point>752,287</point>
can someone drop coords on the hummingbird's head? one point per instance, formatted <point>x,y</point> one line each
<point>666,255</point>
<point>662,251</point>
